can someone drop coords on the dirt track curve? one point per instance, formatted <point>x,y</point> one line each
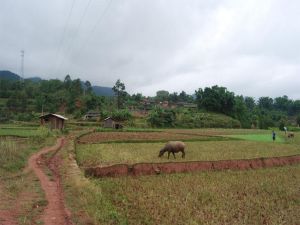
<point>55,212</point>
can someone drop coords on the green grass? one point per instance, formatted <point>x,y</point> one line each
<point>18,132</point>
<point>258,137</point>
<point>13,154</point>
<point>103,154</point>
<point>3,101</point>
<point>230,197</point>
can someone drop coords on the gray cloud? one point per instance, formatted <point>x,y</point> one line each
<point>251,47</point>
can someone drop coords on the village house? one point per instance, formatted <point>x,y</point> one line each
<point>111,123</point>
<point>92,115</point>
<point>53,121</point>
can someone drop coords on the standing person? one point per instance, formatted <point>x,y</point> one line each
<point>285,129</point>
<point>273,135</point>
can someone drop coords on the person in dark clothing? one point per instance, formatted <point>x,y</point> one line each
<point>273,135</point>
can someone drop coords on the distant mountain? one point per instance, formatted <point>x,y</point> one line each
<point>100,91</point>
<point>7,75</point>
<point>34,79</point>
<point>103,91</point>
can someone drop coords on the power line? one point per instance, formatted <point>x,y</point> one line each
<point>76,33</point>
<point>101,16</point>
<point>64,31</point>
<point>98,21</point>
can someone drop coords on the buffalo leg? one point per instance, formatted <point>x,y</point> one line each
<point>174,155</point>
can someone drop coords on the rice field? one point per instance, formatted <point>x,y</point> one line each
<point>261,196</point>
<point>105,154</point>
<point>20,132</point>
<point>269,196</point>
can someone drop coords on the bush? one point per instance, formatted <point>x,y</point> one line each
<point>159,117</point>
<point>121,115</point>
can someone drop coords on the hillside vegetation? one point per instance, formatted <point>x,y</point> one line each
<point>214,106</point>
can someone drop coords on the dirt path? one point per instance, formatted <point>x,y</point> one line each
<point>55,212</point>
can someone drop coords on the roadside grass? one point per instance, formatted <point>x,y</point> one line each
<point>91,205</point>
<point>106,154</point>
<point>13,154</point>
<point>266,196</point>
<point>25,197</point>
<point>20,189</point>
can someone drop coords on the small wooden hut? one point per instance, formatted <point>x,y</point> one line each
<point>53,121</point>
<point>92,115</point>
<point>111,123</point>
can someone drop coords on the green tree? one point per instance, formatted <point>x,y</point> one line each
<point>265,103</point>
<point>162,95</point>
<point>120,93</point>
<point>159,117</point>
<point>121,115</point>
<point>88,87</point>
<point>215,99</point>
<point>298,120</point>
<point>17,102</point>
<point>241,112</point>
<point>173,97</point>
<point>250,103</point>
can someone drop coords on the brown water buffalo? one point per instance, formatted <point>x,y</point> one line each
<point>173,147</point>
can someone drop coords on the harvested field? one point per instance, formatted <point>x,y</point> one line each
<point>227,197</point>
<point>130,153</point>
<point>101,137</point>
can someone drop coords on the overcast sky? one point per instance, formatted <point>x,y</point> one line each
<point>252,47</point>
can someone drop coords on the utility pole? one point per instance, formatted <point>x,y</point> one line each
<point>22,64</point>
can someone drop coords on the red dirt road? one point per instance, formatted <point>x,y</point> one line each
<point>55,212</point>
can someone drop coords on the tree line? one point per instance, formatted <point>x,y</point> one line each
<point>76,97</point>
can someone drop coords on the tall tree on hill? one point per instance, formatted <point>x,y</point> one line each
<point>298,120</point>
<point>215,99</point>
<point>120,93</point>
<point>67,82</point>
<point>265,103</point>
<point>162,95</point>
<point>88,87</point>
<point>250,103</point>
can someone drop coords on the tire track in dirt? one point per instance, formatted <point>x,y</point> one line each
<point>55,212</point>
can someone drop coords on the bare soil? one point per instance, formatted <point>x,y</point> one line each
<point>55,211</point>
<point>179,167</point>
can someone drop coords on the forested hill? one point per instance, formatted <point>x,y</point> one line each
<point>4,74</point>
<point>98,90</point>
<point>103,91</point>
